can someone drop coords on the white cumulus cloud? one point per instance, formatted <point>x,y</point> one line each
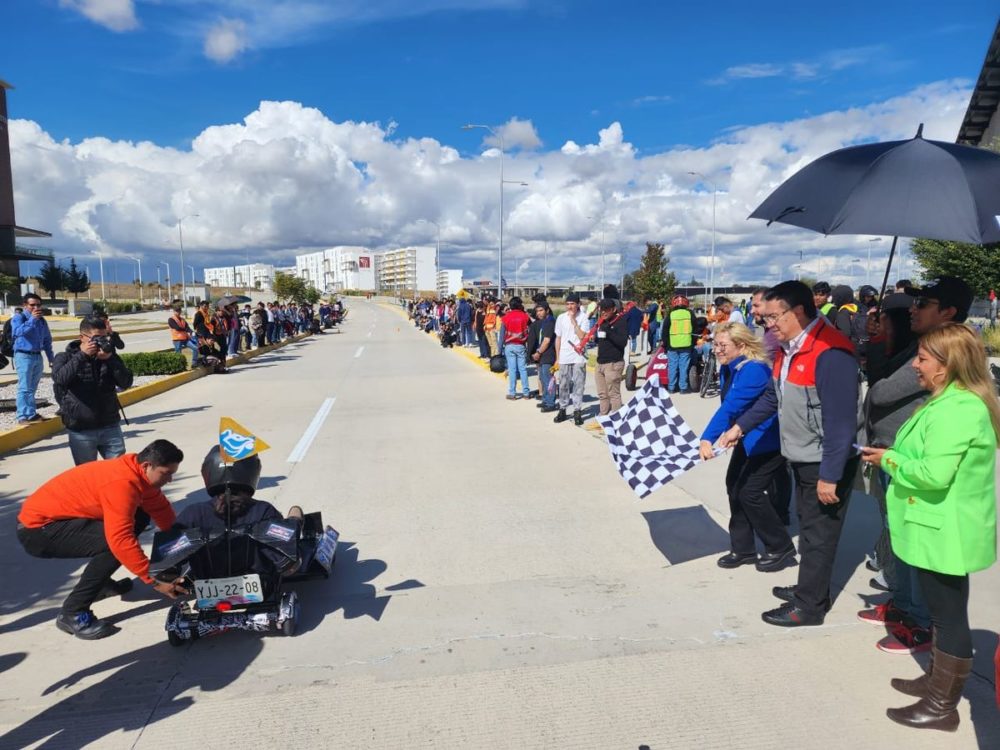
<point>288,177</point>
<point>225,40</point>
<point>117,15</point>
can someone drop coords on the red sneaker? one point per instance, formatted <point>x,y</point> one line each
<point>882,614</point>
<point>906,640</point>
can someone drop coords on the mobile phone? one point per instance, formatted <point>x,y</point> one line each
<point>858,448</point>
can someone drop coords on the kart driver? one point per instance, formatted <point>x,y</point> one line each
<point>97,510</point>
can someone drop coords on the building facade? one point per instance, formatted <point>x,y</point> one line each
<point>337,269</point>
<point>254,276</point>
<point>449,282</point>
<point>407,270</point>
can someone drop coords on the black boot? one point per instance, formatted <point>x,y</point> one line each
<point>561,416</point>
<point>577,418</point>
<point>944,690</point>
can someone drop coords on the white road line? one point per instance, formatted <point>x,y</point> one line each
<point>369,334</point>
<point>299,451</point>
<point>359,351</point>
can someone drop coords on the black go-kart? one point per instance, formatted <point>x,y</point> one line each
<point>237,577</point>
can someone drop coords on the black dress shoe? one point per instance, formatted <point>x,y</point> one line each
<point>771,562</point>
<point>84,625</point>
<point>577,418</point>
<point>785,593</point>
<point>562,416</point>
<point>732,560</point>
<point>547,409</point>
<point>790,616</point>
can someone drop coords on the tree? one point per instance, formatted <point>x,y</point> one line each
<point>311,295</point>
<point>977,265</point>
<point>288,287</point>
<point>652,281</point>
<point>628,286</point>
<point>7,283</point>
<point>77,281</point>
<point>52,278</point>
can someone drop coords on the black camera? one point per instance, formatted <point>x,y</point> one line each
<point>104,343</point>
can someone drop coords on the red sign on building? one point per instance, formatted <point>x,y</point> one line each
<point>364,261</point>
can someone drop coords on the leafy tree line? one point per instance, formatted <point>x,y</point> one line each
<point>651,280</point>
<point>289,287</point>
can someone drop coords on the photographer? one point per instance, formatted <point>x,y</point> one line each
<point>85,378</point>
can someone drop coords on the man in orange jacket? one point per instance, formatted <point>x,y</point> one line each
<point>97,510</point>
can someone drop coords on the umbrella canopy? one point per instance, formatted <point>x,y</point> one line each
<point>233,299</point>
<point>912,188</point>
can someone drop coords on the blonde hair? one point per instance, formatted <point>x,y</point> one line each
<point>743,338</point>
<point>961,351</point>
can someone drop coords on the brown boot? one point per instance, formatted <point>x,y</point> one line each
<point>944,690</point>
<point>916,687</point>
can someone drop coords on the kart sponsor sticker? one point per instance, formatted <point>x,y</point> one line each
<point>275,531</point>
<point>178,544</point>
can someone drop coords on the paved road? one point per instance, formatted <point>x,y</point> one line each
<point>497,587</point>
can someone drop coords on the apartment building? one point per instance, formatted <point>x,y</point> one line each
<point>254,276</point>
<point>449,282</point>
<point>406,270</point>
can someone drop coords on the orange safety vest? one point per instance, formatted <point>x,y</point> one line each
<point>490,320</point>
<point>176,335</point>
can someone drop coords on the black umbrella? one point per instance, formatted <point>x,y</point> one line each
<point>912,188</point>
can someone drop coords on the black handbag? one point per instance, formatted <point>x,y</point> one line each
<point>498,363</point>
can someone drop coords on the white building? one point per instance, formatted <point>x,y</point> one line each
<point>337,269</point>
<point>254,276</point>
<point>407,270</point>
<point>449,282</point>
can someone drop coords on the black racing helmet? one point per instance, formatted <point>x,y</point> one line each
<point>239,477</point>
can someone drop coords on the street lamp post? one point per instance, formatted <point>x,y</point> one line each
<point>868,271</point>
<point>854,262</point>
<point>496,134</point>
<point>100,259</point>
<point>140,277</point>
<point>437,251</point>
<point>602,252</point>
<point>164,263</point>
<point>180,241</point>
<point>715,195</point>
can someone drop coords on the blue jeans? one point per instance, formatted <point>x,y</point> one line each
<point>29,372</point>
<point>633,341</point>
<point>906,593</point>
<point>467,339</point>
<point>190,344</point>
<point>678,363</point>
<point>544,378</point>
<point>651,336</point>
<point>517,365</point>
<point>86,444</point>
<point>234,342</point>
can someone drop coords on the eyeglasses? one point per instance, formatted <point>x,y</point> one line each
<point>773,318</point>
<point>921,302</point>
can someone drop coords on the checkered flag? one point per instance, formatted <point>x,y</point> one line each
<point>650,442</point>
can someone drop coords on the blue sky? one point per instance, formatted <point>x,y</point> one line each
<point>674,78</point>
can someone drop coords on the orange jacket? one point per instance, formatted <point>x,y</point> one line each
<point>111,491</point>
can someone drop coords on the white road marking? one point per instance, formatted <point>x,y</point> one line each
<point>299,451</point>
<point>369,334</point>
<point>359,351</point>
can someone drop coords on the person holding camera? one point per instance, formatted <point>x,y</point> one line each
<point>31,339</point>
<point>86,378</point>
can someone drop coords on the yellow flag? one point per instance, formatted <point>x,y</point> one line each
<point>237,442</point>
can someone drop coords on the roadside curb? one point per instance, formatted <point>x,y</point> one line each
<point>19,437</point>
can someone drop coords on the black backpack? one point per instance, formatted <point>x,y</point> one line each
<point>7,340</point>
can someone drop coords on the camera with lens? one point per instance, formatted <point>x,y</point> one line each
<point>104,343</point>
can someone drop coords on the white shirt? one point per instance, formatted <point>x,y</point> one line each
<point>735,316</point>
<point>564,329</point>
<point>792,347</point>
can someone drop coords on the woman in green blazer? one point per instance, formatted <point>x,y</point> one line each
<point>941,506</point>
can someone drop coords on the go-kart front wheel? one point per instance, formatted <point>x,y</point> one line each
<point>174,639</point>
<point>290,610</point>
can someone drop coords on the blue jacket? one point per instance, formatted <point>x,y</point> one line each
<point>31,334</point>
<point>742,381</point>
<point>464,312</point>
<point>634,319</point>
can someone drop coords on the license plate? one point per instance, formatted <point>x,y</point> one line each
<point>236,590</point>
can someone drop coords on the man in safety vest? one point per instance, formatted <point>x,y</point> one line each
<point>181,333</point>
<point>490,326</point>
<point>678,342</point>
<point>821,296</point>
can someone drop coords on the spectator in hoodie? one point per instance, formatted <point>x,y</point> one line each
<point>849,318</point>
<point>86,379</point>
<point>464,315</point>
<point>633,320</point>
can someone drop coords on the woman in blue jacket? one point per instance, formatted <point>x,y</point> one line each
<point>744,373</point>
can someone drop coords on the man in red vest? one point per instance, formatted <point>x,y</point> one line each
<point>814,390</point>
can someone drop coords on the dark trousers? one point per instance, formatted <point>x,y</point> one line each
<point>947,598</point>
<point>484,345</point>
<point>74,538</point>
<point>819,533</point>
<point>749,481</point>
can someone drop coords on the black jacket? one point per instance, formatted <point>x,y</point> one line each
<point>537,333</point>
<point>86,388</point>
<point>611,346</point>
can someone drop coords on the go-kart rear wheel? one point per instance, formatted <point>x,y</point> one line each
<point>174,639</point>
<point>291,622</point>
<point>631,374</point>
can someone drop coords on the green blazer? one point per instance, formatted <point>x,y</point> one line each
<point>941,503</point>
